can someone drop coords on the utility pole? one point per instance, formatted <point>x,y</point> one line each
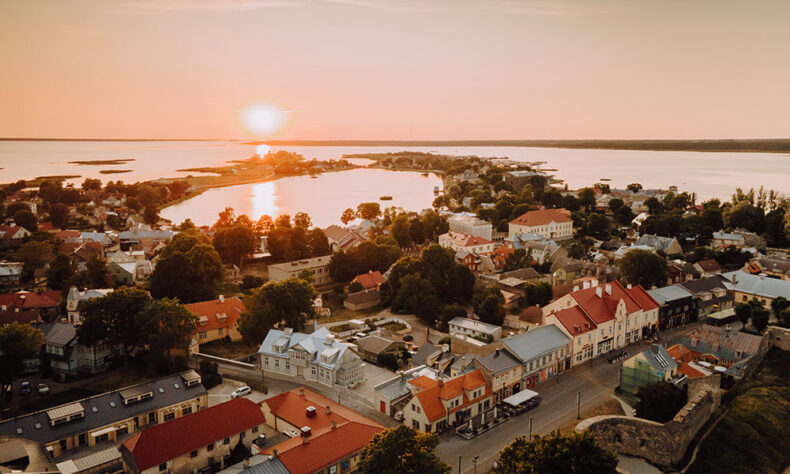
<point>459,464</point>
<point>579,406</point>
<point>530,428</point>
<point>474,461</point>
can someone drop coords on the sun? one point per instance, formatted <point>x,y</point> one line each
<point>262,118</point>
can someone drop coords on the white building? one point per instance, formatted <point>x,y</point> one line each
<point>75,296</point>
<point>318,267</point>
<point>467,243</point>
<point>553,224</point>
<point>471,225</point>
<point>474,328</point>
<point>317,357</point>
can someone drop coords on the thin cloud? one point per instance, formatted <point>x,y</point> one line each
<point>166,6</point>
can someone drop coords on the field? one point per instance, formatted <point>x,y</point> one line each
<point>752,436</point>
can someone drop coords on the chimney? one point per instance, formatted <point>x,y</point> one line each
<point>274,454</point>
<point>576,288</point>
<point>608,289</point>
<point>328,409</point>
<point>221,298</point>
<point>301,392</point>
<point>330,339</point>
<point>440,381</point>
<point>599,292</point>
<point>334,425</point>
<point>246,462</point>
<point>496,353</point>
<point>735,278</point>
<point>629,286</point>
<point>310,412</point>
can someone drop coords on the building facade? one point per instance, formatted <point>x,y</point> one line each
<point>318,267</point>
<point>552,224</point>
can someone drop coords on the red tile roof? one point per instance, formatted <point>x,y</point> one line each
<point>432,393</point>
<point>603,308</point>
<point>643,298</point>
<point>324,449</point>
<point>292,407</point>
<point>48,227</point>
<point>8,231</point>
<point>709,265</point>
<point>175,438</point>
<point>22,317</point>
<point>465,240</point>
<point>689,371</point>
<point>68,234</point>
<point>28,300</point>
<point>211,310</point>
<point>575,321</point>
<point>681,353</point>
<point>370,279</point>
<point>542,217</point>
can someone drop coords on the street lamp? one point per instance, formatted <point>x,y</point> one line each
<point>474,461</point>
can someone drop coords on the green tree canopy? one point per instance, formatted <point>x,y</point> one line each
<point>26,219</point>
<point>556,454</point>
<point>188,269</point>
<point>34,254</point>
<point>98,273</point>
<point>59,215</point>
<point>538,294</point>
<point>234,243</point>
<point>642,267</point>
<point>174,326</point>
<point>488,304</point>
<point>61,270</point>
<point>402,450</point>
<point>18,342</point>
<point>288,301</point>
<point>660,401</point>
<point>368,210</point>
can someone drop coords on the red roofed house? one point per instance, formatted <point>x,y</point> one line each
<point>12,235</point>
<point>553,224</point>
<point>685,359</point>
<point>602,318</point>
<point>370,280</point>
<point>218,318</point>
<point>437,405</point>
<point>329,436</point>
<point>45,302</point>
<point>194,441</point>
<point>468,243</point>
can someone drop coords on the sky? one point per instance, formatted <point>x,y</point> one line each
<point>395,69</point>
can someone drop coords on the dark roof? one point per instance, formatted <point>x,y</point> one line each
<point>425,351</point>
<point>166,441</point>
<point>375,344</point>
<point>364,296</point>
<point>498,361</point>
<point>270,466</point>
<point>22,317</point>
<point>104,415</point>
<point>705,284</point>
<point>60,334</point>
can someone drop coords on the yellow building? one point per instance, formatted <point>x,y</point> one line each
<point>217,319</point>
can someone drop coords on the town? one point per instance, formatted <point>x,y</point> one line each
<point>514,317</point>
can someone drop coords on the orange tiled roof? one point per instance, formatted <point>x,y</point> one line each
<point>291,407</point>
<point>542,217</point>
<point>432,393</point>
<point>575,321</point>
<point>681,353</point>
<point>370,279</point>
<point>211,310</point>
<point>602,308</point>
<point>689,371</point>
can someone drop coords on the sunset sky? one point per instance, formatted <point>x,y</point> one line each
<point>378,69</point>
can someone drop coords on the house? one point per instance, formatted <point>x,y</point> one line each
<point>81,252</point>
<point>318,267</point>
<point>474,328</point>
<point>470,225</point>
<point>553,224</point>
<point>317,357</point>
<point>217,319</point>
<point>679,271</point>
<point>720,345</point>
<point>677,306</point>
<point>342,239</point>
<point>131,273</point>
<point>653,365</point>
<point>370,280</point>
<point>67,357</point>
<point>105,420</point>
<point>471,260</point>
<point>11,273</point>
<point>362,299</point>
<point>73,236</point>
<point>746,286</point>
<point>438,405</point>
<point>665,245</point>
<point>370,347</point>
<point>74,298</point>
<point>193,442</point>
<point>100,237</point>
<point>543,352</point>
<point>502,371</point>
<point>710,293</point>
<point>330,436</point>
<point>687,362</point>
<point>610,317</point>
<point>22,317</point>
<point>516,180</point>
<point>47,303</point>
<point>394,394</point>
<point>725,239</point>
<point>12,236</point>
<point>770,266</point>
<point>467,243</point>
<point>710,267</point>
<point>143,239</point>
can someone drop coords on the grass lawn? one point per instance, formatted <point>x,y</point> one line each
<point>229,289</point>
<point>609,407</point>
<point>341,313</point>
<point>227,350</point>
<point>752,436</point>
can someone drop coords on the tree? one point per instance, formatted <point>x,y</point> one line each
<point>150,214</point>
<point>401,450</point>
<point>587,198</point>
<point>369,211</point>
<point>760,317</point>
<point>388,360</point>
<point>188,269</point>
<point>416,295</point>
<point>615,204</point>
<point>59,215</point>
<point>623,215</point>
<point>173,326</point>
<point>348,216</point>
<point>654,206</point>
<point>264,225</point>
<point>288,301</point>
<point>91,184</point>
<point>642,267</point>
<point>400,230</point>
<point>784,318</point>
<point>318,243</point>
<point>745,215</point>
<point>98,273</point>
<point>660,401</point>
<point>634,187</point>
<point>18,342</point>
<point>302,220</point>
<point>743,312</point>
<point>450,312</point>
<point>516,259</point>
<point>34,255</point>
<point>778,305</point>
<point>342,267</point>
<point>225,218</point>
<point>61,270</point>
<point>538,294</point>
<point>251,281</point>
<point>209,373</point>
<point>598,226</point>
<point>283,220</point>
<point>26,219</point>
<point>117,319</point>
<point>234,243</point>
<point>453,282</point>
<point>555,453</point>
<point>354,287</point>
<point>488,304</point>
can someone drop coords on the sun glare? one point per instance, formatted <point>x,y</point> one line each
<point>263,149</point>
<point>262,118</point>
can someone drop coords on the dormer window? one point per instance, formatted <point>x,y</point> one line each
<point>203,320</point>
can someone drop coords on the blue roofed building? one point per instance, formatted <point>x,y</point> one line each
<point>543,353</point>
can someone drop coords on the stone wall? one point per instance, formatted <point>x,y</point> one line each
<point>661,444</point>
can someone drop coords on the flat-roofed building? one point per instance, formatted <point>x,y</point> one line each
<point>318,267</point>
<point>474,328</point>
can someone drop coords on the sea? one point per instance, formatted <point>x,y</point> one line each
<point>708,174</point>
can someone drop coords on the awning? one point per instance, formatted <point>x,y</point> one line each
<point>520,397</point>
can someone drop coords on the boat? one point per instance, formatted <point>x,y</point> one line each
<point>424,174</point>
<point>386,198</point>
<point>436,189</point>
<point>314,176</point>
<point>606,179</point>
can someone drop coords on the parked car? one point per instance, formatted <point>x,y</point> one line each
<point>43,389</point>
<point>241,391</point>
<point>25,388</point>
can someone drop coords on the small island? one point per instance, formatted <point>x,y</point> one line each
<point>114,171</point>
<point>120,161</point>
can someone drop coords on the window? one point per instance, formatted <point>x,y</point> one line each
<point>170,416</point>
<point>103,437</point>
<point>152,417</point>
<point>163,466</point>
<point>415,424</point>
<point>254,429</point>
<point>82,439</point>
<point>210,447</point>
<point>226,441</point>
<point>193,454</point>
<point>186,410</point>
<point>241,435</point>
<point>63,444</point>
<point>203,335</point>
<point>221,331</point>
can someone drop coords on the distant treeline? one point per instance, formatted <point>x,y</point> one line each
<point>770,145</point>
